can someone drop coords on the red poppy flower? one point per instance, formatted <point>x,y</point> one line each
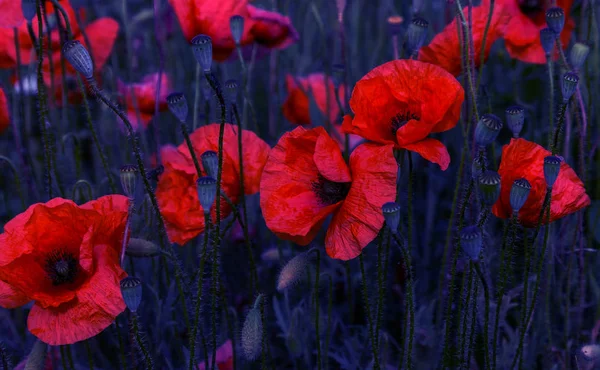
<point>144,94</point>
<point>527,18</point>
<point>211,18</point>
<point>402,102</point>
<point>525,159</point>
<point>224,357</point>
<point>11,15</point>
<point>445,48</point>
<point>176,190</point>
<point>65,258</point>
<point>4,113</point>
<point>296,106</point>
<point>306,179</point>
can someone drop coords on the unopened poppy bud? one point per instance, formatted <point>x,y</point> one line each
<point>128,175</point>
<point>78,56</point>
<point>210,162</point>
<point>578,55</point>
<point>231,90</point>
<point>131,290</point>
<point>515,117</point>
<point>141,248</point>
<point>292,271</point>
<point>416,34</point>
<point>207,192</point>
<point>395,25</point>
<point>252,332</point>
<point>569,84</point>
<point>29,9</point>
<point>178,106</point>
<point>551,169</point>
<point>470,241</point>
<point>202,48</point>
<point>338,74</point>
<point>547,39</point>
<point>519,193</point>
<point>37,357</point>
<point>391,215</point>
<point>487,129</point>
<point>590,352</point>
<point>555,19</point>
<point>489,186</point>
<point>236,25</point>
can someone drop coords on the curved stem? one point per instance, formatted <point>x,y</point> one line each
<point>140,343</point>
<point>562,110</point>
<point>484,41</point>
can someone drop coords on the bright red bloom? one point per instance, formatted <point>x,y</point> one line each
<point>522,35</point>
<point>11,15</point>
<point>65,258</point>
<point>224,357</point>
<point>144,94</point>
<point>525,159</point>
<point>402,102</point>
<point>306,179</point>
<point>176,190</point>
<point>4,112</point>
<point>296,106</point>
<point>445,48</point>
<point>211,18</point>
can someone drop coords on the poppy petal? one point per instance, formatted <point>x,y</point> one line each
<point>11,15</point>
<point>272,29</point>
<point>4,113</point>
<point>432,150</point>
<point>224,357</point>
<point>329,161</point>
<point>102,34</point>
<point>359,219</point>
<point>11,297</point>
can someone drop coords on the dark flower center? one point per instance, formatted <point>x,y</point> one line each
<point>330,192</point>
<point>61,267</point>
<point>531,7</point>
<point>401,119</point>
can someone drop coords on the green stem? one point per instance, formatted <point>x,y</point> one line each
<point>380,281</point>
<point>90,354</point>
<point>140,343</point>
<point>122,360</point>
<point>486,324</point>
<point>329,312</point>
<point>17,180</point>
<point>466,41</point>
<point>317,331</point>
<point>367,304</point>
<point>559,127</point>
<point>409,298</point>
<point>551,82</point>
<point>196,97</point>
<point>463,352</point>
<point>484,41</point>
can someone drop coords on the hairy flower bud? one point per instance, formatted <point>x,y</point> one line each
<point>252,332</point>
<point>78,56</point>
<point>292,271</point>
<point>141,248</point>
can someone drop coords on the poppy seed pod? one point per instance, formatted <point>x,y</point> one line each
<point>128,175</point>
<point>131,290</point>
<point>202,48</point>
<point>178,106</point>
<point>207,192</point>
<point>78,56</point>
<point>578,55</point>
<point>569,84</point>
<point>551,169</point>
<point>391,214</point>
<point>555,19</point>
<point>236,25</point>
<point>477,166</point>
<point>416,34</point>
<point>395,25</point>
<point>29,9</point>
<point>547,39</point>
<point>293,271</point>
<point>231,90</point>
<point>252,332</point>
<point>487,129</point>
<point>515,117</point>
<point>489,186</point>
<point>210,162</point>
<point>141,248</point>
<point>519,193</point>
<point>470,241</point>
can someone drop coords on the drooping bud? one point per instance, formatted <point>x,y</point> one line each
<point>128,175</point>
<point>292,271</point>
<point>578,55</point>
<point>551,169</point>
<point>395,25</point>
<point>555,19</point>
<point>29,8</point>
<point>391,214</point>
<point>36,359</point>
<point>547,39</point>
<point>515,117</point>
<point>210,163</point>
<point>487,129</point>
<point>470,241</point>
<point>178,106</point>
<point>416,34</point>
<point>252,332</point>
<point>569,84</point>
<point>78,56</point>
<point>131,290</point>
<point>236,25</point>
<point>202,48</point>
<point>141,248</point>
<point>519,193</point>
<point>590,352</point>
<point>207,192</point>
<point>231,91</point>
<point>489,186</point>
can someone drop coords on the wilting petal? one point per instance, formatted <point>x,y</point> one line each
<point>432,150</point>
<point>271,29</point>
<point>329,161</point>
